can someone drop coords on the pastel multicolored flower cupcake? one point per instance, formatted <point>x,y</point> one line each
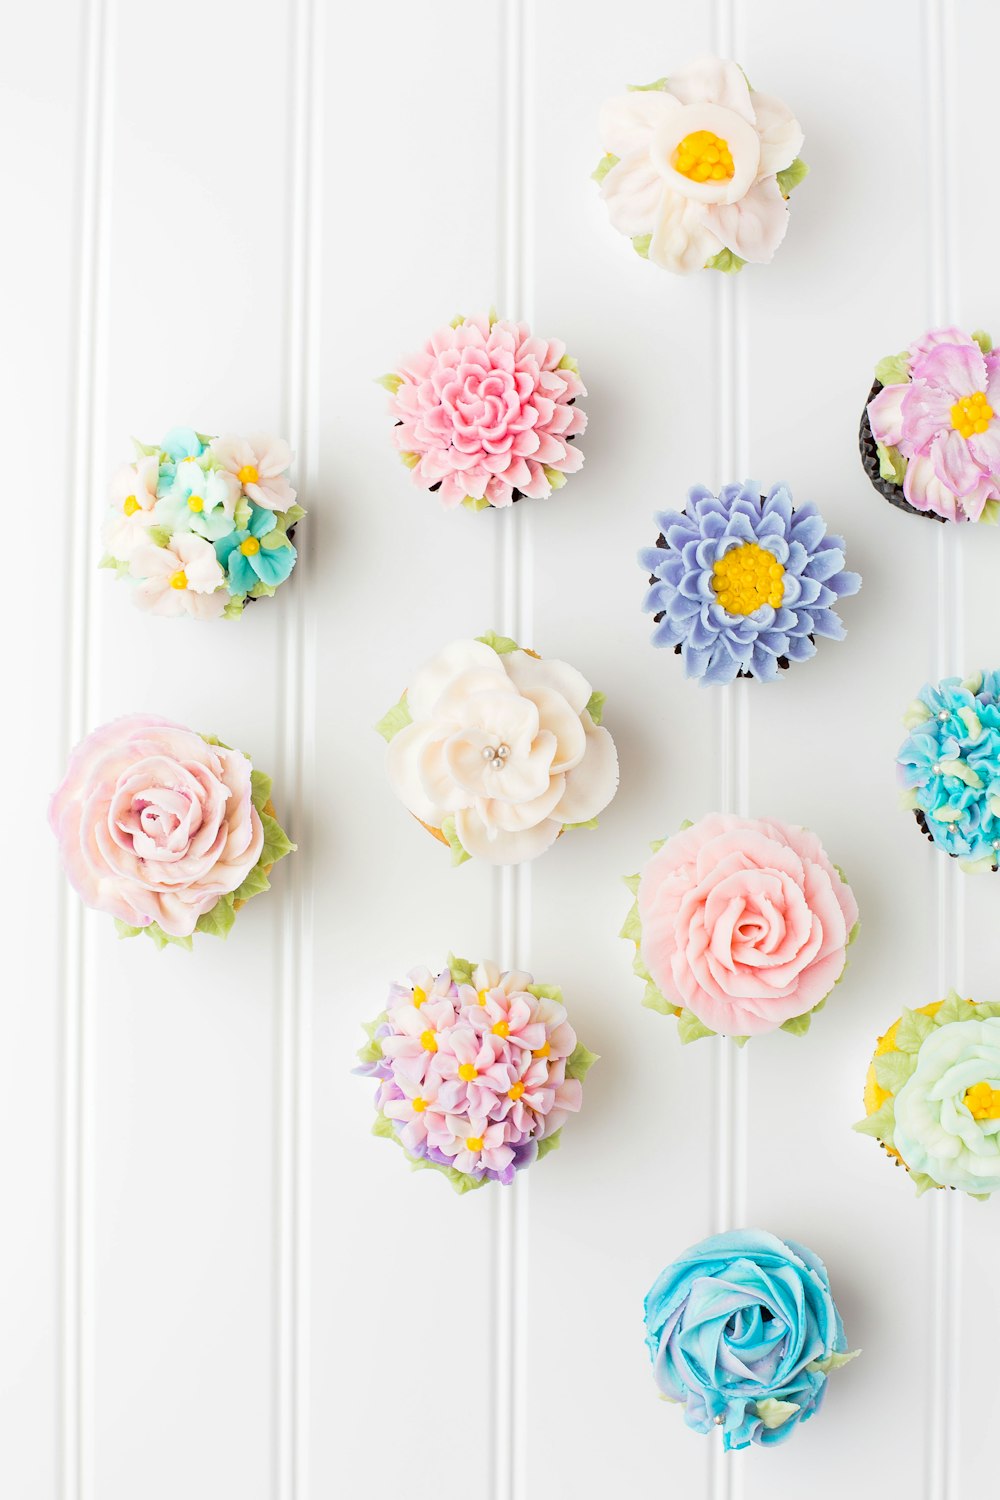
<point>698,168</point>
<point>949,767</point>
<point>743,1333</point>
<point>930,431</point>
<point>741,583</point>
<point>932,1095</point>
<point>203,525</point>
<point>477,1071</point>
<point>497,752</point>
<point>741,926</point>
<point>485,413</point>
<point>168,831</point>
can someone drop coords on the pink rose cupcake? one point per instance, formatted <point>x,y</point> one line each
<point>741,926</point>
<point>168,831</point>
<point>486,413</point>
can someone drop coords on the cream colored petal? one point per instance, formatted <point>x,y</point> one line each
<point>441,787</point>
<point>436,675</point>
<point>714,80</point>
<point>523,779</point>
<point>741,138</point>
<point>627,122</point>
<point>632,191</point>
<point>682,241</point>
<point>591,785</point>
<point>527,672</point>
<point>565,726</point>
<point>503,848</point>
<point>755,227</point>
<point>780,134</point>
<point>402,766</point>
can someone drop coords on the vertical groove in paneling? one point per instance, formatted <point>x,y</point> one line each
<point>512,886</point>
<point>945,1250</point>
<point>292,1021</point>
<point>84,485</point>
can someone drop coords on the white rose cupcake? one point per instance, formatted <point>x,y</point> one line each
<point>497,752</point>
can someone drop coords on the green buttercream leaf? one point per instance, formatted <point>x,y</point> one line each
<point>555,477</point>
<point>124,930</point>
<point>658,844</point>
<point>595,706</point>
<point>580,1062</point>
<point>383,1127</point>
<point>739,1041</point>
<point>632,926</point>
<point>832,1361</point>
<point>775,1413</point>
<point>653,1000</point>
<point>371,1052</point>
<point>474,502</point>
<point>891,464</point>
<point>659,84</point>
<point>276,841</point>
<point>983,340</point>
<point>549,1143</point>
<point>690,1029</point>
<point>911,1030</point>
<point>396,719</point>
<point>501,644</point>
<point>590,823</point>
<point>146,450</point>
<point>219,919</point>
<point>881,1124</point>
<point>632,881</point>
<point>954,1008</point>
<point>242,513</point>
<point>604,166</point>
<point>234,607</point>
<point>922,1182</point>
<point>683,828</point>
<point>546,992</point>
<point>159,536</point>
<point>725,261</point>
<point>894,369</point>
<point>641,244</point>
<point>156,935</point>
<point>260,789</point>
<point>790,177</point>
<point>262,590</point>
<point>390,382</point>
<point>917,713</point>
<point>461,969</point>
<point>255,884</point>
<point>458,853</point>
<point>568,363</point>
<point>797,1025</point>
<point>292,516</point>
<point>410,459</point>
<point>990,514</point>
<point>893,1069</point>
<point>274,540</point>
<point>639,966</point>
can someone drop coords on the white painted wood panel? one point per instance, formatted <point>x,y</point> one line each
<point>216,1281</point>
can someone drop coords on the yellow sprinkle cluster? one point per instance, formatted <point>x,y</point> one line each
<point>747,577</point>
<point>131,505</point>
<point>467,1072</point>
<point>178,580</point>
<point>704,157</point>
<point>983,1102</point>
<point>250,547</point>
<point>248,474</point>
<point>971,414</point>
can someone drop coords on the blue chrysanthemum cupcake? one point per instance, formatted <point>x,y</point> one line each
<point>743,583</point>
<point>949,765</point>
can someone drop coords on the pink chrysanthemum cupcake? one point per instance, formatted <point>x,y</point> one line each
<point>486,413</point>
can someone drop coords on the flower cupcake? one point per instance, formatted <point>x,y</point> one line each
<point>949,767</point>
<point>477,1071</point>
<point>168,831</point>
<point>485,414</point>
<point>497,752</point>
<point>203,525</point>
<point>932,1095</point>
<point>930,431</point>
<point>698,168</point>
<point>741,926</point>
<point>743,1332</point>
<point>741,583</point>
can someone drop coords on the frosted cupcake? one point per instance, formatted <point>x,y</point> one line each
<point>168,831</point>
<point>949,767</point>
<point>741,926</point>
<point>497,752</point>
<point>932,1095</point>
<point>477,1071</point>
<point>203,526</point>
<point>486,415</point>
<point>930,431</point>
<point>698,168</point>
<point>741,584</point>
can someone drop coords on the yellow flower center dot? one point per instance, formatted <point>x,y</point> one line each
<point>419,1104</point>
<point>250,546</point>
<point>419,996</point>
<point>983,1102</point>
<point>501,1028</point>
<point>703,156</point>
<point>542,1051</point>
<point>971,414</point>
<point>747,577</point>
<point>428,1041</point>
<point>473,1143</point>
<point>481,996</point>
<point>515,1091</point>
<point>131,505</point>
<point>248,474</point>
<point>195,503</point>
<point>179,580</point>
<point>467,1072</point>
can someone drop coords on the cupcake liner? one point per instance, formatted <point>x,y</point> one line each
<point>870,461</point>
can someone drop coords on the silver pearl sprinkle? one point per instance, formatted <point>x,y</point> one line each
<point>489,753</point>
<point>503,751</point>
<point>943,716</point>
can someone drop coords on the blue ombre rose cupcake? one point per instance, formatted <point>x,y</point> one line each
<point>949,767</point>
<point>742,583</point>
<point>743,1332</point>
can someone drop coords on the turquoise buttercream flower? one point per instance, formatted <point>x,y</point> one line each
<point>258,553</point>
<point>950,766</point>
<point>180,443</point>
<point>199,500</point>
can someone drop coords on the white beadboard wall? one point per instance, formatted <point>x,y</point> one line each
<point>213,1281</point>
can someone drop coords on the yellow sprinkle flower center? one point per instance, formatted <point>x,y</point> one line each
<point>473,1143</point>
<point>419,1104</point>
<point>983,1102</point>
<point>481,996</point>
<point>542,1051</point>
<point>248,474</point>
<point>419,996</point>
<point>467,1072</point>
<point>747,577</point>
<point>971,414</point>
<point>704,157</point>
<point>131,505</point>
<point>428,1041</point>
<point>502,1028</point>
<point>515,1091</point>
<point>179,580</point>
<point>195,503</point>
<point>250,546</point>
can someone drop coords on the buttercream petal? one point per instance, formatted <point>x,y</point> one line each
<point>780,133</point>
<point>432,679</point>
<point>504,848</point>
<point>714,80</point>
<point>627,122</point>
<point>527,672</point>
<point>682,240</point>
<point>592,784</point>
<point>402,765</point>
<point>885,415</point>
<point>753,227</point>
<point>632,190</point>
